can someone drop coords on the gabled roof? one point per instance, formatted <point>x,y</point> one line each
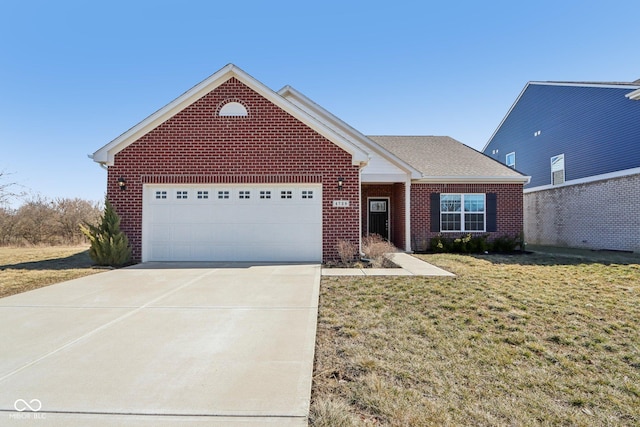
<point>344,129</point>
<point>614,85</point>
<point>106,154</point>
<point>444,159</point>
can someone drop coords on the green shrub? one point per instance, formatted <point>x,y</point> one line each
<point>478,244</point>
<point>109,245</point>
<point>505,244</point>
<point>467,244</point>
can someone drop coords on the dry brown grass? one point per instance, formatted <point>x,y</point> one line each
<point>512,340</point>
<point>24,269</point>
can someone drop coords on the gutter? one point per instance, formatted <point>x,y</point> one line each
<point>473,180</point>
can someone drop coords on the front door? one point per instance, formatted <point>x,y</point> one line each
<point>379,217</point>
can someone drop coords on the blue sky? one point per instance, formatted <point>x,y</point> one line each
<point>74,74</point>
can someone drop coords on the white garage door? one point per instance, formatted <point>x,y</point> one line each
<point>232,223</point>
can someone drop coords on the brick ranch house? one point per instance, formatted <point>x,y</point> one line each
<point>233,171</point>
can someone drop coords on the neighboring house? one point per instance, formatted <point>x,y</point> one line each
<point>580,143</point>
<point>233,171</point>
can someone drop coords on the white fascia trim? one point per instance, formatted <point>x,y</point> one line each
<point>505,117</point>
<point>107,153</point>
<point>474,180</point>
<point>635,95</point>
<point>594,178</point>
<point>342,127</point>
<point>588,84</point>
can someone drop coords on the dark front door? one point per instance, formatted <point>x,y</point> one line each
<point>379,217</point>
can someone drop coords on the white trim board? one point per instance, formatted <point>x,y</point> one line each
<point>594,178</point>
<point>106,154</point>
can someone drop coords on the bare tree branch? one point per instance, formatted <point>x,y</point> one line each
<point>9,190</point>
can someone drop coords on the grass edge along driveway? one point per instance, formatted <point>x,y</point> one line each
<point>531,339</point>
<point>26,268</point>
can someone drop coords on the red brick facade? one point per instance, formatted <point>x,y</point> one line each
<point>269,145</point>
<point>509,209</point>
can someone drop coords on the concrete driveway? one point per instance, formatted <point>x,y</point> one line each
<point>162,344</point>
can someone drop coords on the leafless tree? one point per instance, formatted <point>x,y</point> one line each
<point>37,221</point>
<point>7,226</point>
<point>9,189</point>
<point>70,214</point>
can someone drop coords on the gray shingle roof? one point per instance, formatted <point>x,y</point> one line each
<point>443,156</point>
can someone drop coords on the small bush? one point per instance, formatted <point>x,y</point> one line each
<point>374,248</point>
<point>465,244</point>
<point>347,251</point>
<point>477,244</point>
<point>507,243</point>
<point>109,245</point>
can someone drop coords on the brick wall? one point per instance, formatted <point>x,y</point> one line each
<point>269,145</point>
<point>509,208</point>
<point>595,215</point>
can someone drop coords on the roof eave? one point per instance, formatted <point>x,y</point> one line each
<point>106,154</point>
<point>329,117</point>
<point>473,180</point>
<point>506,116</point>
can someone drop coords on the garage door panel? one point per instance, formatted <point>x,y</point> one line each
<point>233,229</point>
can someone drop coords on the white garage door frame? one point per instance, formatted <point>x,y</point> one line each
<point>232,222</point>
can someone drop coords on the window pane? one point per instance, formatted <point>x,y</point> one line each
<point>474,203</point>
<point>450,222</point>
<point>474,222</point>
<point>450,203</point>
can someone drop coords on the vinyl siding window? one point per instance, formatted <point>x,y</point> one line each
<point>510,160</point>
<point>462,212</point>
<point>557,169</point>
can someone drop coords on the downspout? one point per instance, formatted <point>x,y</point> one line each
<point>360,210</point>
<point>407,214</point>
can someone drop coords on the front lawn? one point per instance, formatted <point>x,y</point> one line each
<point>512,340</point>
<point>24,269</point>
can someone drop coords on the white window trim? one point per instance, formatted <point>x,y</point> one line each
<point>564,178</point>
<point>462,212</point>
<point>506,160</point>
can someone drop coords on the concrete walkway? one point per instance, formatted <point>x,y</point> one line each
<point>162,345</point>
<point>409,266</point>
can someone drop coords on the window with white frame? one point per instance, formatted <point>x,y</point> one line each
<point>557,169</point>
<point>510,159</point>
<point>462,212</point>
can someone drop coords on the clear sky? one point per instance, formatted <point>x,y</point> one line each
<point>76,74</point>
